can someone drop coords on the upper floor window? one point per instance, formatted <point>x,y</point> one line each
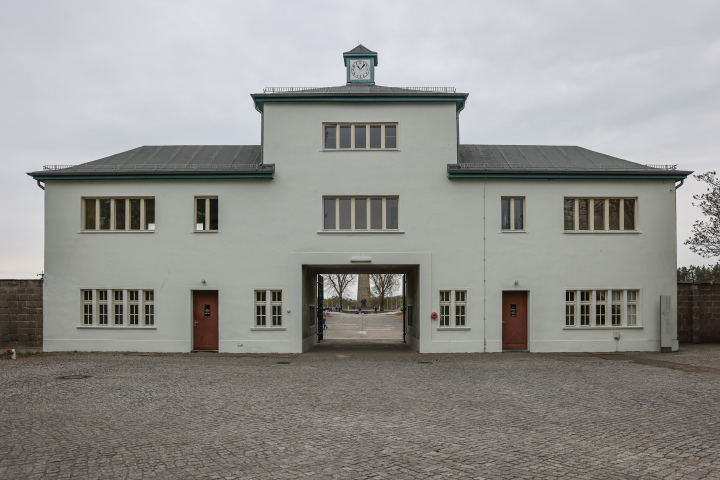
<point>360,213</point>
<point>206,214</point>
<point>600,214</point>
<point>119,214</point>
<point>513,213</point>
<point>360,136</point>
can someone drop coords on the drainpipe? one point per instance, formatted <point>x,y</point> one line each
<point>484,273</point>
<point>38,184</point>
<point>680,184</point>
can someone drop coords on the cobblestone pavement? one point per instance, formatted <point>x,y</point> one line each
<point>343,414</point>
<point>344,326</point>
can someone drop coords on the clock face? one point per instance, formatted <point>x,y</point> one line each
<point>359,69</point>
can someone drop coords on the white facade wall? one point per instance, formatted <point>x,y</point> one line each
<point>269,229</point>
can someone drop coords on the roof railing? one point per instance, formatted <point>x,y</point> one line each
<point>208,166</point>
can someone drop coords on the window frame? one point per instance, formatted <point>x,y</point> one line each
<point>115,308</point>
<point>605,213</point>
<point>385,217</point>
<point>145,225</point>
<point>353,147</point>
<point>454,313</point>
<point>207,201</point>
<point>625,303</point>
<point>269,302</point>
<point>511,214</point>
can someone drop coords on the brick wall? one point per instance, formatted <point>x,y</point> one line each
<point>21,314</point>
<point>698,312</point>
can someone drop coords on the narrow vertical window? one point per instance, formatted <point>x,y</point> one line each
<point>616,308</point>
<point>599,214</point>
<point>600,308</point>
<point>134,214</point>
<point>90,214</point>
<point>613,214</point>
<point>518,214</point>
<point>583,214</point>
<point>569,213</point>
<point>632,307</point>
<point>570,308</point>
<point>375,136</point>
<point>87,302</point>
<point>149,306</point>
<point>345,213</point>
<point>390,136</point>
<point>376,213</point>
<point>361,136</point>
<point>505,213</point>
<point>330,136</point>
<point>102,307</point>
<point>585,303</point>
<point>629,213</point>
<point>445,308</point>
<point>118,307</point>
<point>460,308</point>
<point>120,214</point>
<point>213,213</point>
<point>391,213</point>
<point>260,308</point>
<point>329,214</point>
<point>199,214</point>
<point>149,214</point>
<point>361,213</point>
<point>276,305</point>
<point>133,308</point>
<point>345,136</point>
<point>105,213</point>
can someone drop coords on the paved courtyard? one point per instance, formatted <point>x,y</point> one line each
<point>362,411</point>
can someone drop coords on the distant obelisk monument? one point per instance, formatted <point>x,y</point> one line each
<point>364,295</point>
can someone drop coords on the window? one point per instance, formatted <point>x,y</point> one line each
<point>513,213</point>
<point>206,214</point>
<point>616,308</point>
<point>119,214</point>
<point>570,308</point>
<point>350,136</point>
<point>119,310</point>
<point>600,307</point>
<point>623,307</point>
<point>87,306</point>
<point>453,301</point>
<point>276,304</point>
<point>600,214</point>
<point>585,308</point>
<point>133,307</point>
<point>117,307</point>
<point>102,307</point>
<point>149,306</point>
<point>445,308</point>
<point>261,308</point>
<point>360,213</point>
<point>632,307</point>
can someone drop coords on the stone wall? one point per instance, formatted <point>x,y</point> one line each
<point>698,312</point>
<point>21,314</point>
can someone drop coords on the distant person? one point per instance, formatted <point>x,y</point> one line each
<point>324,324</point>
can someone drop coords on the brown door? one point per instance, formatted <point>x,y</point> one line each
<point>514,319</point>
<point>205,320</point>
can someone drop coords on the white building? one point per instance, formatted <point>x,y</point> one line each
<point>180,248</point>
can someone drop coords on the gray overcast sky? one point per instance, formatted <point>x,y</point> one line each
<point>81,80</point>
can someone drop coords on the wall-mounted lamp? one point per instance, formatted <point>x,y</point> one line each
<point>517,283</point>
<point>203,281</point>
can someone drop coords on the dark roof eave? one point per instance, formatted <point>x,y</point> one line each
<point>455,172</point>
<point>260,99</point>
<point>263,171</point>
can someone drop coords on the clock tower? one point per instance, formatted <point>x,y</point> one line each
<point>360,63</point>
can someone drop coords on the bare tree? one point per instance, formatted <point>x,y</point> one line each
<point>705,239</point>
<point>338,283</point>
<point>383,285</point>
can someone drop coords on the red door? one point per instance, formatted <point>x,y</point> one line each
<point>205,320</point>
<point>514,319</point>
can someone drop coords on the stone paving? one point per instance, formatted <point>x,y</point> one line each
<point>361,413</point>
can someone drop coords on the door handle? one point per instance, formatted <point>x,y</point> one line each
<point>196,322</point>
